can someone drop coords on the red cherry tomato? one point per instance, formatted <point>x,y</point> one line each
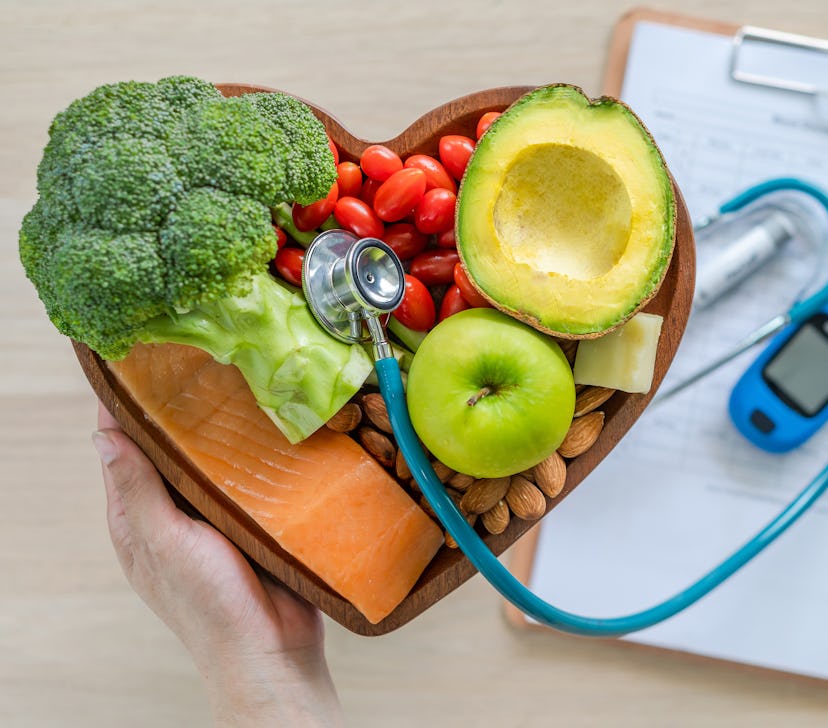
<point>455,151</point>
<point>435,211</point>
<point>288,262</point>
<point>452,302</point>
<point>473,297</point>
<point>369,191</point>
<point>334,150</point>
<point>417,307</point>
<point>349,179</point>
<point>354,215</point>
<point>399,194</point>
<point>379,162</point>
<point>281,237</point>
<point>310,217</point>
<point>485,122</point>
<point>446,239</point>
<point>405,240</point>
<point>436,175</point>
<point>435,267</point>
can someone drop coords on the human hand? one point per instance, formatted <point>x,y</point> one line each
<point>257,645</point>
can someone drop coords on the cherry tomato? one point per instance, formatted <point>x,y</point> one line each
<point>446,239</point>
<point>369,191</point>
<point>485,122</point>
<point>452,302</point>
<point>405,240</point>
<point>281,237</point>
<point>354,215</point>
<point>349,179</point>
<point>417,307</point>
<point>288,262</point>
<point>334,150</point>
<point>435,211</point>
<point>435,267</point>
<point>379,162</point>
<point>455,151</point>
<point>399,194</point>
<point>473,297</point>
<point>310,217</point>
<point>436,175</point>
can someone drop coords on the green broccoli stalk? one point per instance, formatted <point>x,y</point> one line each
<point>283,217</point>
<point>154,225</point>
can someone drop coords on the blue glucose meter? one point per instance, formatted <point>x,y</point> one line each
<point>782,399</point>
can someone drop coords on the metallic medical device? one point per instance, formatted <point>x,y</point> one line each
<point>763,232</point>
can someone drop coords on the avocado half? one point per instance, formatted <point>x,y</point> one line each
<point>566,213</point>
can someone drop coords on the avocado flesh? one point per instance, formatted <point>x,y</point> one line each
<point>566,214</point>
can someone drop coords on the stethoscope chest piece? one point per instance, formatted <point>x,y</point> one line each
<point>347,280</point>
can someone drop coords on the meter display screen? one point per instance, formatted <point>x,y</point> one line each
<point>798,372</point>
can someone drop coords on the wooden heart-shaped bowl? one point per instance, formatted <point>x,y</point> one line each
<point>450,568</point>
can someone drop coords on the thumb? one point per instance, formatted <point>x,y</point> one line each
<point>134,487</point>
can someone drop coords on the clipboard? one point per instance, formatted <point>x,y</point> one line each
<point>523,553</point>
<point>743,36</point>
<point>619,47</point>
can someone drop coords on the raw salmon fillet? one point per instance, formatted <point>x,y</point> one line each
<point>324,500</point>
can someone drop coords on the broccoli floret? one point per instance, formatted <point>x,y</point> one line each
<point>183,93</point>
<point>307,142</point>
<point>128,111</point>
<point>109,286</point>
<point>228,145</point>
<point>154,224</point>
<point>38,244</point>
<point>211,243</point>
<point>125,184</point>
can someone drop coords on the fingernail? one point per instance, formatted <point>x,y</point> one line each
<point>105,446</point>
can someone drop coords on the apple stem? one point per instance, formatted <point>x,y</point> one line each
<point>477,396</point>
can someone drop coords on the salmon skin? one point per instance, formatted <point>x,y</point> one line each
<point>324,500</point>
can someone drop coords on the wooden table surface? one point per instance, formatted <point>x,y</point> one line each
<point>77,647</point>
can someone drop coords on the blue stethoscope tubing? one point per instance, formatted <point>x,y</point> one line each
<point>391,387</point>
<point>777,184</point>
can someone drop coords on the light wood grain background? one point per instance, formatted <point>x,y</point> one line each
<point>77,647</point>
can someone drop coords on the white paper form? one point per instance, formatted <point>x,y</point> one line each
<point>683,490</point>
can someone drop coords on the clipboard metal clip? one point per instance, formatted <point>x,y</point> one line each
<point>775,43</point>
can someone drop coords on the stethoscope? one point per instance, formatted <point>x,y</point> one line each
<point>351,284</point>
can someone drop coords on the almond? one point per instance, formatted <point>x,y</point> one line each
<point>525,500</point>
<point>456,496</point>
<point>591,398</point>
<point>376,411</point>
<point>528,474</point>
<point>426,506</point>
<point>442,471</point>
<point>550,475</point>
<point>496,519</point>
<point>378,446</point>
<point>483,494</point>
<point>582,434</point>
<point>348,417</point>
<point>461,481</point>
<point>401,467</point>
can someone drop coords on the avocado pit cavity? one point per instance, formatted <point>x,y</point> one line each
<point>563,209</point>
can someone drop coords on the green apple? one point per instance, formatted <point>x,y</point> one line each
<point>489,395</point>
